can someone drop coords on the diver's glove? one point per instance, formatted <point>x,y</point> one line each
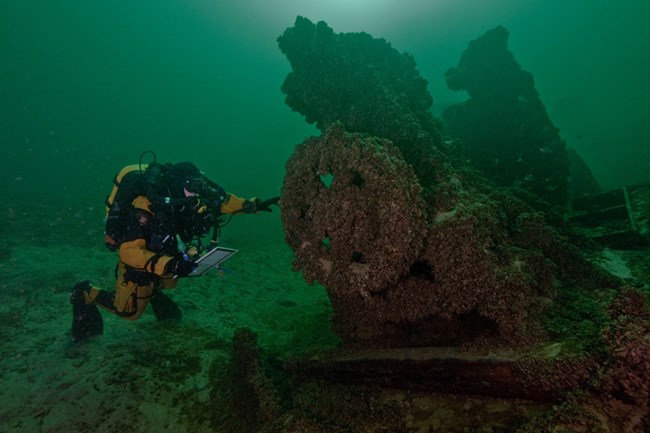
<point>265,205</point>
<point>255,205</point>
<point>180,266</point>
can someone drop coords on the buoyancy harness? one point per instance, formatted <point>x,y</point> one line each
<point>132,181</point>
<point>146,180</point>
<point>127,185</point>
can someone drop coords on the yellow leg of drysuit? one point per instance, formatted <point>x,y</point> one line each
<point>130,299</point>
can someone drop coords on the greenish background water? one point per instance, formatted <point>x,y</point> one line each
<point>87,85</point>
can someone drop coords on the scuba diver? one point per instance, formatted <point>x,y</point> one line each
<point>157,216</point>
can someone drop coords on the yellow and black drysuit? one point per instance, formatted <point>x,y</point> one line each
<point>150,259</point>
<point>144,258</point>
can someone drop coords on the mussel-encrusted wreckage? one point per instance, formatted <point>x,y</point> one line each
<point>441,281</point>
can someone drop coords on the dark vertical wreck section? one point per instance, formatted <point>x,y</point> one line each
<point>504,127</point>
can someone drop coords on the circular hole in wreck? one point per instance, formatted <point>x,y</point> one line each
<point>327,179</point>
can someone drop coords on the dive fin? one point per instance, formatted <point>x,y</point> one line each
<point>86,318</point>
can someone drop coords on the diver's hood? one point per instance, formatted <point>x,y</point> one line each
<point>183,176</point>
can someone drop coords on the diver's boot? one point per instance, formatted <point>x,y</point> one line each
<point>86,318</point>
<point>106,300</point>
<point>164,308</point>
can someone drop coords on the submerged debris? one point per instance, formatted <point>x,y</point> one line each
<point>504,127</point>
<point>417,250</point>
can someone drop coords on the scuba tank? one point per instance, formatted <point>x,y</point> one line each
<point>126,187</point>
<point>146,180</point>
<point>131,181</point>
